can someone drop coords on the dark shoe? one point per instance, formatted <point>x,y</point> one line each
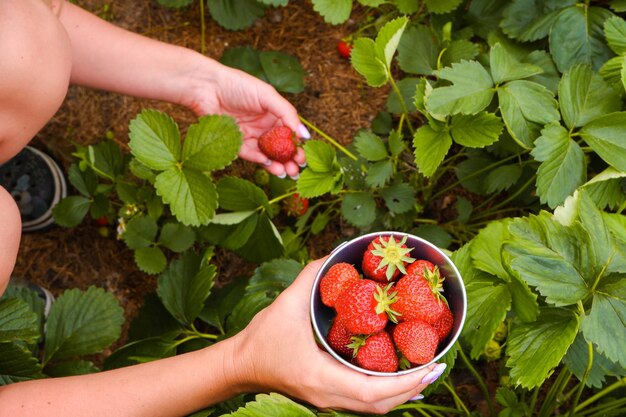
<point>37,184</point>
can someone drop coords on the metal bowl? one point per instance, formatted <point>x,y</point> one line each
<point>352,253</point>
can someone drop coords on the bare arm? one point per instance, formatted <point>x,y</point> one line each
<point>10,232</point>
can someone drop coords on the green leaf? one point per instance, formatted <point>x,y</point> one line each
<point>185,285</point>
<point>155,140</point>
<point>536,348</point>
<point>212,143</point>
<point>442,6</point>
<point>399,197</point>
<point>431,147</point>
<point>85,182</point>
<point>237,194</point>
<point>407,87</point>
<point>459,50</point>
<point>365,62</point>
<point>141,232</point>
<point>471,90</point>
<point>531,21</point>
<point>379,173</point>
<point>370,146</point>
<point>540,244</point>
<point>107,159</point>
<point>602,248</point>
<point>550,76</point>
<point>418,50</point>
<point>150,260</point>
<point>613,72</point>
<point>405,6</point>
<point>486,249</point>
<point>82,323</point>
<point>525,106</point>
<point>264,244</point>
<point>153,320</point>
<point>615,32</point>
<point>585,96</point>
<point>245,58</point>
<point>232,218</point>
<point>235,14</point>
<point>577,37</point>
<point>283,71</point>
<point>177,237</point>
<point>175,3</point>
<point>70,211</point>
<point>524,300</point>
<point>476,131</point>
<point>605,135</point>
<point>141,351</point>
<point>433,233</point>
<point>272,277</point>
<point>314,184</point>
<point>271,404</point>
<point>388,39</point>
<point>320,156</point>
<point>71,368</point>
<point>192,196</point>
<point>502,178</point>
<point>577,359</point>
<point>17,321</point>
<point>359,209</point>
<point>333,11</point>
<point>563,166</point>
<point>504,66</point>
<point>17,363</point>
<point>605,189</point>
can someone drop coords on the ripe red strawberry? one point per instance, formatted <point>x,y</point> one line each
<point>277,144</point>
<point>418,267</point>
<point>344,48</point>
<point>416,300</point>
<point>416,340</point>
<point>376,352</point>
<point>102,221</point>
<point>443,325</point>
<point>339,338</point>
<point>338,278</point>
<point>296,206</point>
<point>385,258</point>
<point>365,306</point>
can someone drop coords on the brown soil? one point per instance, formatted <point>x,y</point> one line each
<point>336,100</point>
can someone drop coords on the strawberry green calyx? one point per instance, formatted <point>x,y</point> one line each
<point>384,299</point>
<point>392,255</point>
<point>357,343</point>
<point>435,280</point>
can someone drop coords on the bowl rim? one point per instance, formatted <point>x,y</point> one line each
<point>330,260</point>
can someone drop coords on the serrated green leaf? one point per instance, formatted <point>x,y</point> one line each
<point>82,323</point>
<point>431,147</point>
<point>245,58</point>
<point>563,166</point>
<point>407,87</point>
<point>274,276</point>
<point>585,96</point>
<point>577,37</point>
<point>399,197</point>
<point>525,106</point>
<point>283,71</point>
<point>504,66</point>
<point>486,249</point>
<point>459,50</point>
<point>85,182</point>
<point>155,140</point>
<point>153,320</point>
<point>235,14</point>
<point>320,156</point>
<point>141,351</point>
<point>531,21</point>
<point>605,135</point>
<point>237,194</point>
<point>605,189</point>
<point>17,363</point>
<point>177,237</point>
<point>476,131</point>
<point>17,321</point>
<point>418,50</point>
<point>464,209</point>
<point>212,143</point>
<point>388,39</point>
<point>70,211</point>
<point>395,143</point>
<point>71,368</point>
<point>359,209</point>
<point>433,233</point>
<point>140,232</point>
<point>231,218</point>
<point>107,159</point>
<point>577,359</point>
<point>379,173</point>
<point>550,76</point>
<point>192,196</point>
<point>612,72</point>
<point>406,6</point>
<point>150,260</point>
<point>175,3</point>
<point>502,178</point>
<point>265,242</point>
<point>365,62</point>
<point>442,6</point>
<point>184,287</point>
<point>370,146</point>
<point>314,184</point>
<point>382,123</point>
<point>602,246</point>
<point>471,90</point>
<point>333,11</point>
<point>536,348</point>
<point>523,299</point>
<point>615,32</point>
<point>271,404</point>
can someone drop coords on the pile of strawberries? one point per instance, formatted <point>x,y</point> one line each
<point>394,316</point>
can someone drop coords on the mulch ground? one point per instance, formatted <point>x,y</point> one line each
<point>335,99</point>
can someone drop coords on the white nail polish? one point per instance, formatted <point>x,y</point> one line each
<point>302,165</point>
<point>304,132</point>
<point>417,397</point>
<point>281,176</point>
<point>294,177</point>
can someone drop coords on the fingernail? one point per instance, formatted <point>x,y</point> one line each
<point>281,176</point>
<point>294,177</point>
<point>302,165</point>
<point>417,397</point>
<point>267,163</point>
<point>304,132</point>
<point>434,374</point>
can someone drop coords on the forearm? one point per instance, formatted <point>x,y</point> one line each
<point>10,232</point>
<point>110,58</point>
<point>169,387</point>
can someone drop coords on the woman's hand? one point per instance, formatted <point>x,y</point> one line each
<point>255,105</point>
<point>277,351</point>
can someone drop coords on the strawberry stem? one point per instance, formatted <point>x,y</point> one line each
<point>328,138</point>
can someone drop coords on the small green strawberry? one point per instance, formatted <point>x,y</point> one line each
<point>385,258</point>
<point>338,278</point>
<point>375,352</point>
<point>416,340</point>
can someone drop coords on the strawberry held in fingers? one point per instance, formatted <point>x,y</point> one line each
<point>277,144</point>
<point>416,340</point>
<point>338,278</point>
<point>376,352</point>
<point>365,307</point>
<point>385,258</point>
